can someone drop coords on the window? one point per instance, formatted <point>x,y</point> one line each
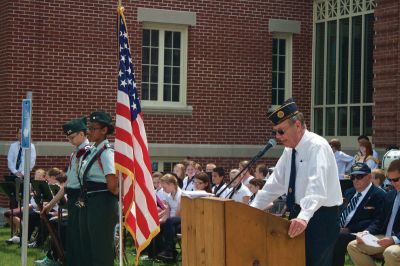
<point>342,67</point>
<point>164,55</point>
<point>281,68</point>
<point>163,166</point>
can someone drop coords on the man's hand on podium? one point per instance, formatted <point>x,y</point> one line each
<point>297,226</point>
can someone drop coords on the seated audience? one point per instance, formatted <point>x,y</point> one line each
<point>180,170</point>
<point>202,182</point>
<point>218,176</point>
<point>364,155</point>
<point>343,160</point>
<point>238,191</point>
<point>247,175</point>
<point>157,186</point>
<point>189,179</point>
<point>261,171</point>
<point>362,204</point>
<point>386,228</point>
<point>254,185</point>
<point>378,178</point>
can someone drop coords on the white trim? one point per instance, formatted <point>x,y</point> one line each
<point>283,25</point>
<point>166,16</point>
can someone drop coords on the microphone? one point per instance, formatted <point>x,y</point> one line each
<point>270,144</point>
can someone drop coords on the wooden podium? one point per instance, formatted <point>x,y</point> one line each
<point>220,232</point>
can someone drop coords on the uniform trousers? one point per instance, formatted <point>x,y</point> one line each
<point>97,223</point>
<point>74,248</point>
<point>340,249</point>
<point>360,253</point>
<point>321,234</point>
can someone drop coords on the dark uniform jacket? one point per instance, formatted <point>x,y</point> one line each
<point>369,209</point>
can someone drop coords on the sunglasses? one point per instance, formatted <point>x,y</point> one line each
<point>394,180</point>
<point>358,177</point>
<point>279,132</point>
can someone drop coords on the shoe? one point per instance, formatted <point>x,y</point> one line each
<point>13,240</point>
<point>34,244</point>
<point>46,262</point>
<point>166,256</point>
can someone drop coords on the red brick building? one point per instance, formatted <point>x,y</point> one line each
<point>207,71</point>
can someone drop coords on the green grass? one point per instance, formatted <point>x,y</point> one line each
<point>10,255</point>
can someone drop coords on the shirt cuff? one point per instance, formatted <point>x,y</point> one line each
<point>305,215</point>
<point>396,239</point>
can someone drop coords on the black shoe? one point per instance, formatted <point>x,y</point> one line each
<point>166,256</point>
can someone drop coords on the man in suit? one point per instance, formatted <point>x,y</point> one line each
<point>363,204</point>
<point>386,228</point>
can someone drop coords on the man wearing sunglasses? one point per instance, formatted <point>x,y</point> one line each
<point>386,228</point>
<point>308,174</point>
<point>363,204</point>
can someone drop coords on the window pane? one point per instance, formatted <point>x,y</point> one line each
<point>154,38</point>
<point>331,63</point>
<point>153,92</point>
<point>168,57</point>
<point>319,64</point>
<point>275,97</point>
<point>167,93</point>
<point>274,80</point>
<point>330,122</point>
<point>146,38</point>
<point>274,46</point>
<point>145,74</point>
<point>354,121</point>
<point>154,56</point>
<point>281,80</point>
<point>274,63</point>
<point>168,39</point>
<point>343,60</point>
<point>176,57</point>
<point>355,88</point>
<point>368,57</point>
<point>176,75</point>
<point>342,121</point>
<point>318,120</point>
<point>367,125</point>
<point>167,75</point>
<point>175,93</point>
<point>282,63</point>
<point>177,40</point>
<point>145,56</point>
<point>282,46</point>
<point>145,91</point>
<point>154,74</point>
<point>281,96</point>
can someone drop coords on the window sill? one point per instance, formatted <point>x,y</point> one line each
<point>167,110</point>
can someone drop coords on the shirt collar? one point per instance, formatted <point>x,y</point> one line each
<point>303,141</point>
<point>101,144</point>
<point>83,144</point>
<point>365,191</point>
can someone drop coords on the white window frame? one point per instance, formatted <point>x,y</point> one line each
<point>160,105</point>
<point>161,162</point>
<point>288,37</point>
<point>328,10</point>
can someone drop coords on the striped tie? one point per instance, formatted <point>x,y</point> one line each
<point>349,208</point>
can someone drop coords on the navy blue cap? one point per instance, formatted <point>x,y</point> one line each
<point>283,112</point>
<point>360,169</point>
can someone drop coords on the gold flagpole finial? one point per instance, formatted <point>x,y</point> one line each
<point>120,7</point>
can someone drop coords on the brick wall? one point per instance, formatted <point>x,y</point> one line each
<point>65,53</point>
<point>387,73</point>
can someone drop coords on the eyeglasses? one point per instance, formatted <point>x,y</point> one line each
<point>394,180</point>
<point>198,183</point>
<point>358,177</point>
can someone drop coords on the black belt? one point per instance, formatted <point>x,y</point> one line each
<point>95,186</point>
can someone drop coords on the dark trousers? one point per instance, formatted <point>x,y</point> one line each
<point>97,223</point>
<point>52,252</point>
<point>73,246</point>
<point>169,229</point>
<point>340,249</point>
<point>321,234</point>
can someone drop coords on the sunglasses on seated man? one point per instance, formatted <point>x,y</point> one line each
<point>393,180</point>
<point>358,177</point>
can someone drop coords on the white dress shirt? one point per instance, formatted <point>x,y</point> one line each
<point>344,162</point>
<point>13,155</point>
<point>188,184</point>
<point>173,202</point>
<point>317,182</point>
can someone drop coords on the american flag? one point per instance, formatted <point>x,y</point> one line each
<point>132,159</point>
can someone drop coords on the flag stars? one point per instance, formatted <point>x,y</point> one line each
<point>123,83</point>
<point>125,35</point>
<point>129,81</point>
<point>120,73</point>
<point>123,58</point>
<point>134,107</point>
<point>129,70</point>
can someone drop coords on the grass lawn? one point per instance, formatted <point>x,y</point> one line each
<point>10,255</point>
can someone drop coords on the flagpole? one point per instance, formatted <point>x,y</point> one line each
<point>121,225</point>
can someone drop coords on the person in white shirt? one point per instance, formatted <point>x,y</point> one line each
<point>15,157</point>
<point>218,175</point>
<point>261,171</point>
<point>157,186</point>
<point>343,160</point>
<point>189,179</point>
<point>307,172</point>
<point>238,191</point>
<point>247,175</point>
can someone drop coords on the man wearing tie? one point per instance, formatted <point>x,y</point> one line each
<point>15,157</point>
<point>364,203</point>
<point>386,228</point>
<point>308,174</point>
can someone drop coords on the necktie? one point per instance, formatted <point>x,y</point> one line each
<point>18,163</point>
<point>292,182</point>
<point>349,208</point>
<point>395,209</point>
